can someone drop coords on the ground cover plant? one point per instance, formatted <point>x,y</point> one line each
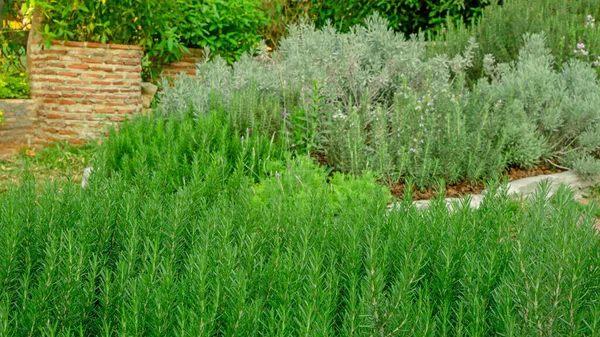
<point>59,161</point>
<point>214,246</point>
<point>369,99</point>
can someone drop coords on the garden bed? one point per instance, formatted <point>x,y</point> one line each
<point>465,188</point>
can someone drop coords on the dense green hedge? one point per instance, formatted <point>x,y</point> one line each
<point>407,16</point>
<point>164,27</point>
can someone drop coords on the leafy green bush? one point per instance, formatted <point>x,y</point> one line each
<point>173,151</point>
<point>14,86</point>
<point>13,79</point>
<point>288,255</point>
<point>569,26</point>
<point>164,28</point>
<point>407,16</point>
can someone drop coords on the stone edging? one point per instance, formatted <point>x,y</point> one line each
<point>523,188</point>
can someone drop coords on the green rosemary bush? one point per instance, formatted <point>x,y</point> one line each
<point>288,255</point>
<point>173,151</point>
<point>371,100</point>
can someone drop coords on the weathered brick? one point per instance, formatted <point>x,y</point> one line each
<point>76,84</point>
<point>79,84</point>
<point>95,45</point>
<point>76,95</point>
<point>107,69</point>
<point>93,61</point>
<point>64,88</point>
<point>67,102</point>
<point>108,90</point>
<point>53,52</point>
<point>67,74</point>
<point>114,76</point>
<point>70,58</point>
<point>103,83</point>
<point>77,117</point>
<point>79,66</point>
<point>77,141</point>
<point>73,44</point>
<point>66,132</point>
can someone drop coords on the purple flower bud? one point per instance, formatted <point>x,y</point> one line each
<point>242,139</point>
<point>277,175</point>
<point>284,114</point>
<point>247,132</point>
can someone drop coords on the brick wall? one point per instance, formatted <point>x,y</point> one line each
<point>186,65</point>
<point>18,128</point>
<point>83,86</point>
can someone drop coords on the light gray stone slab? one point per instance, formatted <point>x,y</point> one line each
<point>523,188</point>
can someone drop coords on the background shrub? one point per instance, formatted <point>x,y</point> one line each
<point>406,16</point>
<point>164,28</point>
<point>13,79</point>
<point>568,25</point>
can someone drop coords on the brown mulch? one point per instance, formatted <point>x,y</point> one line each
<point>463,188</point>
<point>460,189</point>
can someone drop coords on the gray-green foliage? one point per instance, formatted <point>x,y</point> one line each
<point>221,255</point>
<point>553,115</point>
<point>568,25</point>
<point>384,105</point>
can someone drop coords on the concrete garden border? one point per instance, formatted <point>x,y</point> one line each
<point>523,188</point>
